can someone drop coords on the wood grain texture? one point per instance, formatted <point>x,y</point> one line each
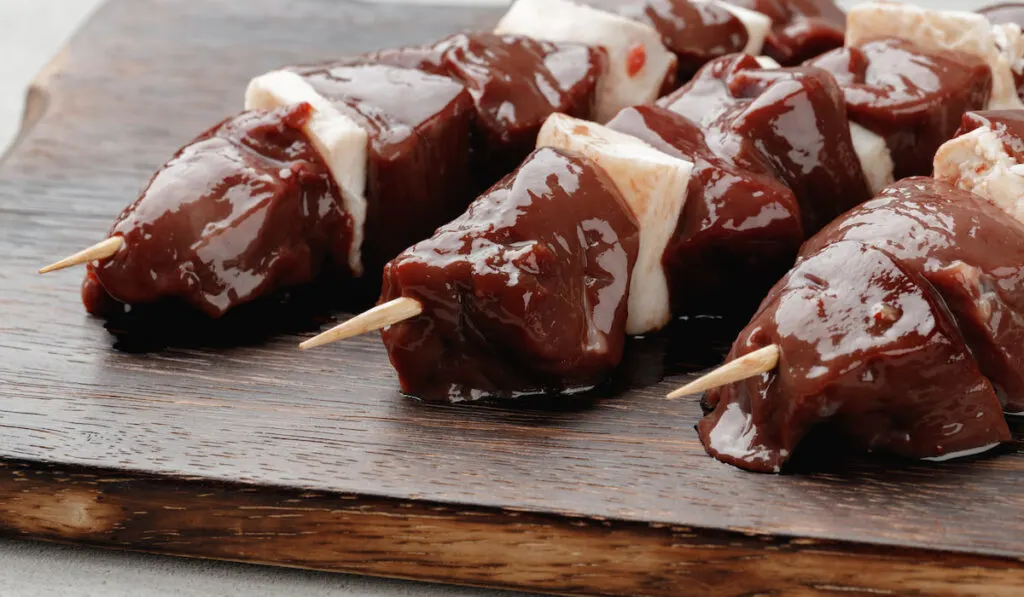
<point>430,541</point>
<point>608,496</point>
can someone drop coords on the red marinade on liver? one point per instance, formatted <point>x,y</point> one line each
<point>801,29</point>
<point>524,293</point>
<point>969,250</point>
<point>867,348</point>
<point>796,119</point>
<point>739,221</point>
<point>245,209</point>
<point>516,83</point>
<point>913,99</point>
<point>418,173</point>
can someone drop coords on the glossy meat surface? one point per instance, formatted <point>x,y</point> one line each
<point>795,118</point>
<point>913,99</point>
<point>970,251</point>
<point>524,293</point>
<point>801,29</point>
<point>515,83</point>
<point>867,349</point>
<point>245,209</point>
<point>739,221</point>
<point>418,172</point>
<point>696,32</point>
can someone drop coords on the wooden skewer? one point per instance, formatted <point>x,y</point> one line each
<point>100,250</point>
<point>376,318</point>
<point>758,362</point>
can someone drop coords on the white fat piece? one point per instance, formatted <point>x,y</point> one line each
<point>622,39</point>
<point>875,158</point>
<point>654,185</point>
<point>978,162</point>
<point>932,30</point>
<point>758,26</point>
<point>342,143</point>
<point>767,62</point>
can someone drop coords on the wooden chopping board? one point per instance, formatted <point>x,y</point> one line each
<point>265,454</point>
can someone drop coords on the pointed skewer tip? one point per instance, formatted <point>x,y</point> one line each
<point>755,363</point>
<point>100,250</point>
<point>381,316</point>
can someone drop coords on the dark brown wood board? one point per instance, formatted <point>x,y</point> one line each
<point>313,459</point>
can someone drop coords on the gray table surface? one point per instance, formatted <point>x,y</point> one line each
<point>31,31</point>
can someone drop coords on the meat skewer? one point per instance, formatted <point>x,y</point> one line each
<point>984,158</point>
<point>526,292</point>
<point>961,250</point>
<point>733,99</point>
<point>974,161</point>
<point>399,170</point>
<point>496,70</point>
<point>343,121</point>
<point>744,120</point>
<point>653,186</point>
<point>867,346</point>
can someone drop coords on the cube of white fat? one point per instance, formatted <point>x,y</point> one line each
<point>875,158</point>
<point>978,162</point>
<point>932,30</point>
<point>758,26</point>
<point>637,60</point>
<point>342,143</point>
<point>767,62</point>
<point>654,186</point>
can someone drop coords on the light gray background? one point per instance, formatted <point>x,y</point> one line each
<point>31,31</point>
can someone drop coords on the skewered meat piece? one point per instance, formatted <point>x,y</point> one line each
<point>515,83</point>
<point>902,324</point>
<point>972,254</point>
<point>246,208</point>
<point>524,293</point>
<point>696,31</point>
<point>654,186</point>
<point>801,29</point>
<point>867,347</point>
<point>416,172</point>
<point>934,31</point>
<point>912,98</point>
<point>795,118</point>
<point>739,221</point>
<point>230,219</point>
